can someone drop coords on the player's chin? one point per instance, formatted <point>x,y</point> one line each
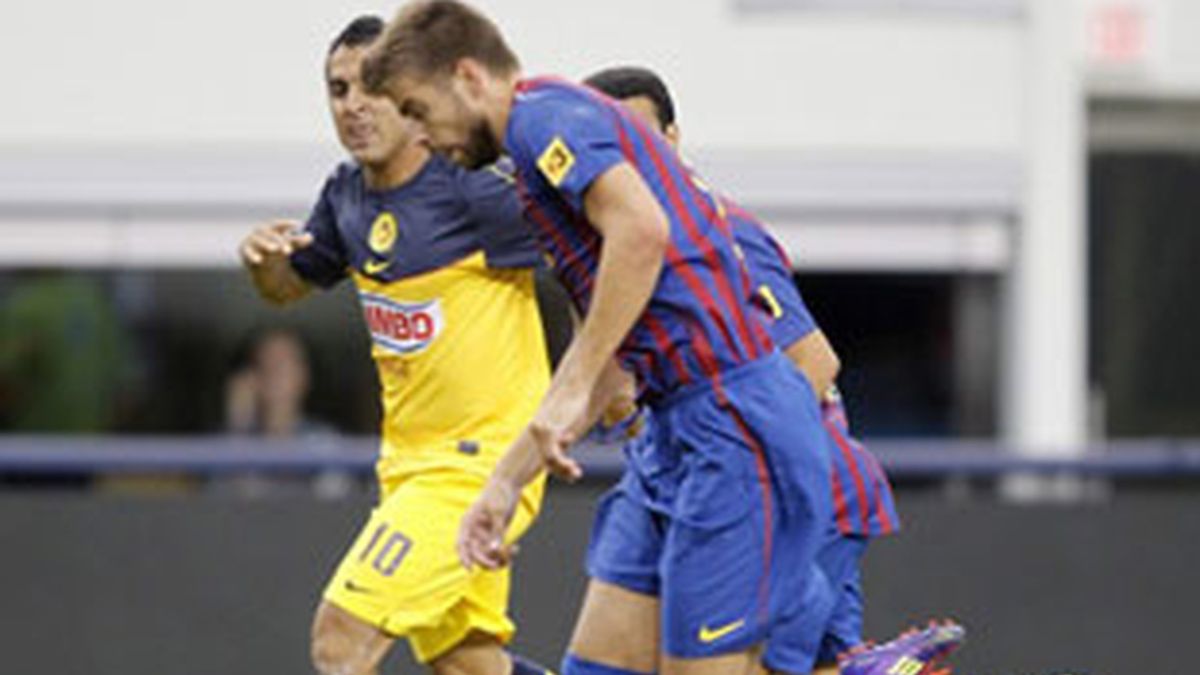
<point>368,155</point>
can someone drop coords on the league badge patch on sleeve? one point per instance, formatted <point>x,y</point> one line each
<point>556,161</point>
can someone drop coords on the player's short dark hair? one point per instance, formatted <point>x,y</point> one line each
<point>361,31</point>
<point>430,37</point>
<point>629,81</point>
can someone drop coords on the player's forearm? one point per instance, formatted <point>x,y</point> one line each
<point>815,357</point>
<point>519,465</point>
<point>630,262</point>
<point>277,282</point>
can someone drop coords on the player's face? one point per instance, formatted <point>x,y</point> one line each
<point>453,121</point>
<point>369,127</point>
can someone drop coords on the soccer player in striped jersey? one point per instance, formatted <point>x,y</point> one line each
<point>863,503</point>
<point>649,260</point>
<point>443,264</point>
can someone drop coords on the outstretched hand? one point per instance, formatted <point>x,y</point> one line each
<point>276,239</point>
<point>481,533</point>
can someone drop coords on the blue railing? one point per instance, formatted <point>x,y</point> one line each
<point>225,454</point>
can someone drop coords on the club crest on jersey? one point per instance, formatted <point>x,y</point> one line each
<point>556,161</point>
<point>403,328</point>
<point>383,233</point>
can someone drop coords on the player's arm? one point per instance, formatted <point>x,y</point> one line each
<point>286,259</point>
<point>635,233</point>
<point>794,328</point>
<point>616,393</point>
<point>815,357</point>
<point>266,255</point>
<point>481,533</point>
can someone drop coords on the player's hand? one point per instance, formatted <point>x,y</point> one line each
<point>621,421</point>
<point>481,533</point>
<point>560,422</point>
<point>278,239</point>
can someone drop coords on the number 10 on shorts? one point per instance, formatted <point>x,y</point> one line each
<point>389,547</point>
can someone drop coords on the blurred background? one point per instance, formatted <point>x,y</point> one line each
<point>990,205</point>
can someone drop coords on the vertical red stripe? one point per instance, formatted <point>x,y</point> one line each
<point>860,486</point>
<point>706,248</point>
<point>543,221</point>
<point>705,353</point>
<point>663,340</point>
<point>764,482</point>
<point>759,343</point>
<point>840,512</point>
<point>886,526</point>
<point>684,271</point>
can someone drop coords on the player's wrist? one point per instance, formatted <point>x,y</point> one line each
<point>504,490</point>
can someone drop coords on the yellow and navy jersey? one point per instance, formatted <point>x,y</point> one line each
<point>444,270</point>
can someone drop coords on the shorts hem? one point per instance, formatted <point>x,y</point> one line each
<point>627,582</point>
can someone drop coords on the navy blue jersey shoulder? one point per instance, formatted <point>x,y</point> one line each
<point>442,215</point>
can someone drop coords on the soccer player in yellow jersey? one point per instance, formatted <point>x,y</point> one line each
<point>443,265</point>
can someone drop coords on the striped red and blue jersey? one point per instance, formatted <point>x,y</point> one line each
<point>699,321</point>
<point>771,275</point>
<point>863,504</point>
<point>862,498</point>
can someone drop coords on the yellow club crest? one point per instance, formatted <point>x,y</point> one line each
<point>556,161</point>
<point>383,233</point>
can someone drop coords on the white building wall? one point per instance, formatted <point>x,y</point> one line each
<point>226,71</point>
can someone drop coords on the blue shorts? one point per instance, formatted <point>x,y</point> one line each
<point>726,498</point>
<point>809,638</point>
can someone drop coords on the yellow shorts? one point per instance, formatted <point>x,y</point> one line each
<point>403,575</point>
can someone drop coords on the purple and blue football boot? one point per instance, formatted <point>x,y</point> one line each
<point>914,652</point>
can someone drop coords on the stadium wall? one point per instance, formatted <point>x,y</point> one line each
<point>206,585</point>
<point>131,73</point>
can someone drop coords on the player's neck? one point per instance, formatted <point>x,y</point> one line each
<point>397,170</point>
<point>498,120</point>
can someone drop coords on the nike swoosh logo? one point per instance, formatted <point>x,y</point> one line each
<point>713,634</point>
<point>376,266</point>
<point>355,588</point>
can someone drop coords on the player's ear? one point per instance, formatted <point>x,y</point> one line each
<point>471,74</point>
<point>672,133</point>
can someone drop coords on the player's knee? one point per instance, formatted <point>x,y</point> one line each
<point>329,654</point>
<point>574,665</point>
<point>333,652</point>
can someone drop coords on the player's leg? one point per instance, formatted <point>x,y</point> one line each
<point>402,577</point>
<point>726,664</point>
<point>741,556</point>
<point>343,644</point>
<point>469,637</point>
<point>483,653</point>
<point>616,632</point>
<point>476,653</point>
<point>715,564</point>
<point>841,560</point>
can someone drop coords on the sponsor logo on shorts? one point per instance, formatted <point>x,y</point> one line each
<point>403,328</point>
<point>708,635</point>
